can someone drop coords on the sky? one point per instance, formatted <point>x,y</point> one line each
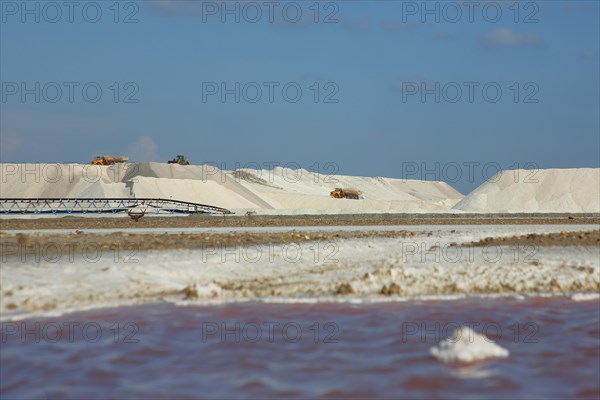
<point>450,91</point>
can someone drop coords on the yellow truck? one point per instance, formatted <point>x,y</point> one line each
<point>340,193</point>
<point>109,160</point>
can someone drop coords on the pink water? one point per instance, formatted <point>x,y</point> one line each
<point>355,351</point>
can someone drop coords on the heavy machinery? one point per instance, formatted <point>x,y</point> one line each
<point>109,160</point>
<point>340,193</point>
<point>181,160</point>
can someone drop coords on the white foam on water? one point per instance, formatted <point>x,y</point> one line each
<point>585,296</point>
<point>467,346</point>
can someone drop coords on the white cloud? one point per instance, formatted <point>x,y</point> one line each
<point>143,149</point>
<point>233,12</point>
<point>504,37</point>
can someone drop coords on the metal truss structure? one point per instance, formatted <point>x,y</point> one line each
<point>104,206</point>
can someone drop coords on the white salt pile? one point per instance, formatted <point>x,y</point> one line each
<point>550,190</point>
<point>277,191</point>
<point>302,191</point>
<point>62,180</point>
<point>298,191</point>
<point>467,346</point>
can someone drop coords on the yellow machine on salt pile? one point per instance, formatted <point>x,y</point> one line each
<point>340,193</point>
<point>109,160</point>
<point>180,159</point>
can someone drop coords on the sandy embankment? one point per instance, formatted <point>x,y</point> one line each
<point>13,245</point>
<point>233,221</point>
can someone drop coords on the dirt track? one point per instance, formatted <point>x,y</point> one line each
<point>16,244</point>
<point>296,220</point>
<point>591,238</point>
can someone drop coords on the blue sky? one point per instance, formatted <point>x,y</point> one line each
<point>371,61</point>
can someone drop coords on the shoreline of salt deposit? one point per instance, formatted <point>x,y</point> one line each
<point>210,302</point>
<point>350,270</point>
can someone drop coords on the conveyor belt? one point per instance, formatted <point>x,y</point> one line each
<point>104,205</point>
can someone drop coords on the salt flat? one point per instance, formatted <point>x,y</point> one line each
<point>429,265</point>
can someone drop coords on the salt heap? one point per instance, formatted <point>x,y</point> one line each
<point>298,191</point>
<point>277,191</point>
<point>550,190</point>
<point>467,346</point>
<point>63,180</point>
